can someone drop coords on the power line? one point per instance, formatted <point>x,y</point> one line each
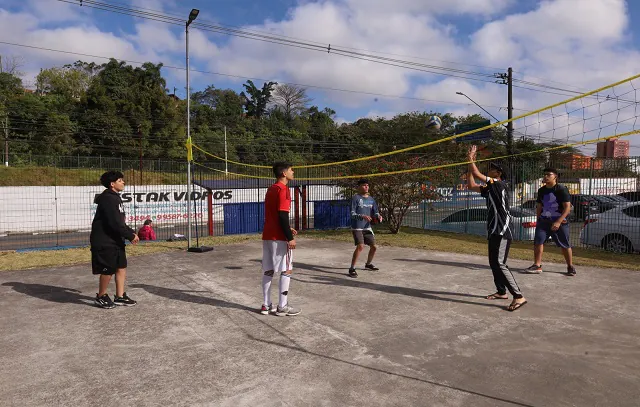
<point>254,78</point>
<point>283,41</point>
<point>454,72</point>
<point>181,18</point>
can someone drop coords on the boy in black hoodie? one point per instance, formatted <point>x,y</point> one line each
<point>108,232</point>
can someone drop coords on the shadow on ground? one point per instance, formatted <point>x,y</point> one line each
<point>51,293</point>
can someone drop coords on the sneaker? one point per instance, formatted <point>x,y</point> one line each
<point>353,272</point>
<point>533,269</point>
<point>571,271</point>
<point>124,300</point>
<point>267,310</point>
<point>104,302</point>
<point>287,310</point>
<point>370,266</point>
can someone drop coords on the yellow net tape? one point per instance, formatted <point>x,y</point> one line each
<point>435,167</point>
<point>189,150</point>
<point>442,140</point>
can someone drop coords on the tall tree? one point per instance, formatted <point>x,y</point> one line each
<point>11,64</point>
<point>258,100</point>
<point>291,99</point>
<point>10,86</point>
<point>224,106</point>
<point>67,81</point>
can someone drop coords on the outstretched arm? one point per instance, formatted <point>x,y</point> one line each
<point>473,172</point>
<point>473,169</point>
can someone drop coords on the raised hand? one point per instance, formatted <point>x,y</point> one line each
<point>472,152</point>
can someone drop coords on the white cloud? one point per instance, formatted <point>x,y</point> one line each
<point>437,7</point>
<point>54,11</point>
<point>578,48</point>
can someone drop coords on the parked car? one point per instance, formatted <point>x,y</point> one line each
<point>474,221</point>
<point>618,198</point>
<point>531,204</point>
<point>583,206</point>
<point>631,196</point>
<point>616,230</point>
<point>604,203</point>
<point>610,199</point>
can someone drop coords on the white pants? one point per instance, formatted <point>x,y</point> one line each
<point>276,256</point>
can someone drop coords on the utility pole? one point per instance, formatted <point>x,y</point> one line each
<point>6,140</point>
<point>510,111</point>
<point>226,163</point>
<point>140,152</point>
<point>507,79</point>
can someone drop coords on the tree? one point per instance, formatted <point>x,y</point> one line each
<point>291,99</point>
<point>396,193</point>
<point>67,81</point>
<point>11,64</point>
<point>258,100</point>
<point>10,86</point>
<point>225,106</point>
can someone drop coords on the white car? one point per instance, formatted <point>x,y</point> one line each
<point>474,221</point>
<point>616,230</point>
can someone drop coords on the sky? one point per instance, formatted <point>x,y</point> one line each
<point>560,47</point>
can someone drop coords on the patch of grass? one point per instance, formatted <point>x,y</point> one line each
<point>408,237</point>
<point>471,244</point>
<point>11,260</point>
<point>49,176</point>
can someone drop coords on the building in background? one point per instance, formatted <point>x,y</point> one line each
<point>580,162</point>
<point>613,148</point>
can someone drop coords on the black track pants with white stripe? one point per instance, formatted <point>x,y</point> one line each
<point>502,276</point>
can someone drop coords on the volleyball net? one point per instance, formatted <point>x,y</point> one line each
<point>425,184</point>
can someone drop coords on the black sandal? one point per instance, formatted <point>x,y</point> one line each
<point>515,305</point>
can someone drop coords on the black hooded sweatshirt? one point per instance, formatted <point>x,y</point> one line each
<point>109,228</point>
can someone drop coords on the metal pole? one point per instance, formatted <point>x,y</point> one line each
<point>474,102</point>
<point>188,138</point>
<point>6,141</point>
<point>226,164</point>
<point>510,111</point>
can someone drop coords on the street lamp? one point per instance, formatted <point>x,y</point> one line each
<point>192,16</point>
<point>460,93</point>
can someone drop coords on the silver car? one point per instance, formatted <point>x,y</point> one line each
<point>616,230</point>
<point>474,221</point>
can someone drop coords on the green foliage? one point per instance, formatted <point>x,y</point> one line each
<point>258,99</point>
<point>114,109</point>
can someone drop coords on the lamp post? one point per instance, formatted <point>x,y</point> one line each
<point>192,16</point>
<point>460,93</point>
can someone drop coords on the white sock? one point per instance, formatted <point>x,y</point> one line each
<point>266,289</point>
<point>284,289</point>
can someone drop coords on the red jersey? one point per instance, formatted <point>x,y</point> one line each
<point>278,198</point>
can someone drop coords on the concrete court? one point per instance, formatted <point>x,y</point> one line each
<point>416,333</point>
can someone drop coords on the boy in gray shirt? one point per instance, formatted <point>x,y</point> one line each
<point>364,210</point>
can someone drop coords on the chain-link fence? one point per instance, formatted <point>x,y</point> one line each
<point>48,201</point>
<point>604,198</point>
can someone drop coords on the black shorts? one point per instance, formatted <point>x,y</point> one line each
<point>560,236</point>
<point>108,260</point>
<point>363,237</point>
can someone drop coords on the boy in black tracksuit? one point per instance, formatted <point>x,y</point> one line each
<point>108,232</point>
<point>498,232</point>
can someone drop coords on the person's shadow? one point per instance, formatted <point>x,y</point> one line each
<point>412,292</point>
<point>186,296</point>
<point>471,266</point>
<point>61,295</point>
<point>312,267</point>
